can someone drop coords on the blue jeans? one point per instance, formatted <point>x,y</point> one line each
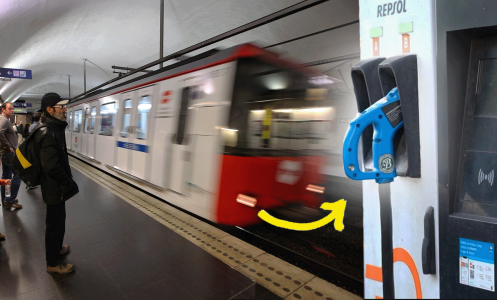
<point>7,171</point>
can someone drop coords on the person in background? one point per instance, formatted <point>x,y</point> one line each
<point>20,130</point>
<point>36,121</point>
<point>30,128</point>
<point>25,133</point>
<point>8,146</point>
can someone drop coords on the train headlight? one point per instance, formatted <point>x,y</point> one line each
<point>246,200</point>
<point>315,188</point>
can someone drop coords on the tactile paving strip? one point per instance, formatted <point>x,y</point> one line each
<point>281,278</point>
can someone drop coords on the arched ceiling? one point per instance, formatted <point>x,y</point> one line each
<point>52,37</point>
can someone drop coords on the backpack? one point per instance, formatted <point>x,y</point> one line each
<point>27,160</point>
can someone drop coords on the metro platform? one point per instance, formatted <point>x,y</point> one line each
<point>126,244</point>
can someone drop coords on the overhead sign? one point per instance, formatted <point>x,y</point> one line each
<point>22,104</point>
<point>15,73</point>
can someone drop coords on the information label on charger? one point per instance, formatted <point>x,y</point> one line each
<point>393,111</point>
<point>476,264</point>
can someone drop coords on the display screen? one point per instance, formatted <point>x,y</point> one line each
<point>486,100</point>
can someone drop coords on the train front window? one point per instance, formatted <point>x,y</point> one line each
<point>144,107</point>
<point>279,108</point>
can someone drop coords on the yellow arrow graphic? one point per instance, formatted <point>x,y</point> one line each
<point>337,208</point>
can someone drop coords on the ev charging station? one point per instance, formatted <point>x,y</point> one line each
<point>426,90</point>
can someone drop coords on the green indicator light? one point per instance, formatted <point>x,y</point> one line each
<point>376,32</point>
<point>405,27</point>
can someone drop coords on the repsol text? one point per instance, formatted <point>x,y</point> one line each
<point>391,8</point>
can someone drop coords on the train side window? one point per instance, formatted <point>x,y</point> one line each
<point>180,132</point>
<point>77,120</point>
<point>107,119</point>
<point>128,105</point>
<point>87,116</point>
<point>70,122</point>
<point>144,107</point>
<point>93,116</point>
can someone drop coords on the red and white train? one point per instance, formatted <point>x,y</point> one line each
<point>239,123</point>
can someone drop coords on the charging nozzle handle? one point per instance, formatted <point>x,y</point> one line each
<point>384,131</point>
<point>351,149</point>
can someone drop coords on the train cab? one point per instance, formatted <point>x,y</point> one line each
<point>279,127</point>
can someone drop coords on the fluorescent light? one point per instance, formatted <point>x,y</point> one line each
<point>283,110</point>
<point>321,80</point>
<point>270,100</point>
<point>208,88</point>
<point>229,129</point>
<point>316,109</point>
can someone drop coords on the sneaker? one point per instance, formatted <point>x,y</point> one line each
<point>13,205</point>
<point>62,268</point>
<point>64,249</point>
<point>28,187</point>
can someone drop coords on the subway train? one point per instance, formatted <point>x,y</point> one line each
<point>222,134</point>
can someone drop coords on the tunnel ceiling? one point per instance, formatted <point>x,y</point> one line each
<point>52,37</point>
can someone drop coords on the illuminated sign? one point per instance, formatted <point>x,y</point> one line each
<point>20,110</point>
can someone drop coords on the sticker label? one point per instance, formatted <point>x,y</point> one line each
<point>386,163</point>
<point>393,111</point>
<point>476,264</point>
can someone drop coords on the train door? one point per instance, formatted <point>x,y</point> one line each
<point>76,129</point>
<point>205,143</point>
<point>91,131</point>
<point>84,131</point>
<point>124,134</point>
<point>140,136</point>
<point>180,147</point>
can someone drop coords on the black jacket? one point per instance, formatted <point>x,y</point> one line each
<point>57,185</point>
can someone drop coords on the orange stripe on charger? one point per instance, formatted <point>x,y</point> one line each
<point>374,272</point>
<point>401,254</point>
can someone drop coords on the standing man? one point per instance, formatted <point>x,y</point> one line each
<point>8,144</point>
<point>58,185</point>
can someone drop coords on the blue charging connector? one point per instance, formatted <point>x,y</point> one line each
<point>386,117</point>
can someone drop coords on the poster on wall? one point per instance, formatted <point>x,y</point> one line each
<point>476,264</point>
